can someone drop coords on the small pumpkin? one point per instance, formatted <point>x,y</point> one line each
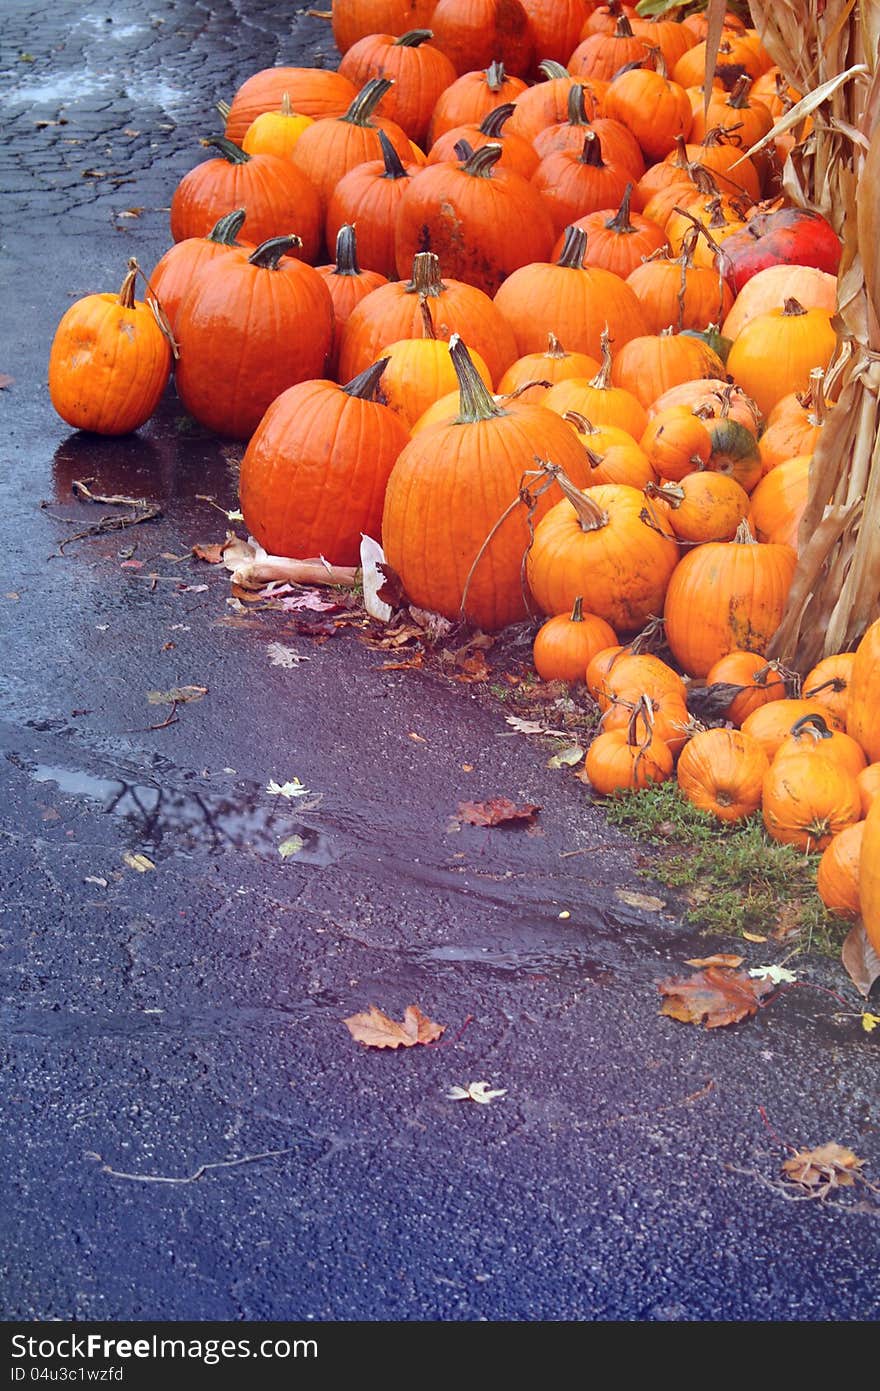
<point>617,144</point>
<point>779,500</point>
<point>347,283</point>
<point>677,442</point>
<point>566,644</point>
<point>604,54</point>
<point>828,684</point>
<point>613,456</point>
<point>656,110</point>
<point>795,424</point>
<point>676,293</point>
<point>869,876</point>
<point>546,103</point>
<point>722,771</point>
<point>517,153</point>
<point>419,371</point>
<point>331,147</point>
<point>771,287</point>
<point>576,182</point>
<point>807,800</point>
<point>355,19</point>
<point>621,760</point>
<point>812,734</point>
<point>703,507</point>
<point>617,241</point>
<point>649,365</point>
<point>314,92</point>
<point>598,400</point>
<point>275,132</point>
<point>837,878</point>
<point>531,376</point>
<point>869,786</point>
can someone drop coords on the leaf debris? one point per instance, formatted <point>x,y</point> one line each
<point>375,1030</point>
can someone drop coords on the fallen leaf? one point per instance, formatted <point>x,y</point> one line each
<point>293,788</point>
<point>861,962</point>
<point>499,811</point>
<point>566,758</point>
<point>128,131</point>
<point>391,590</point>
<point>396,637</point>
<point>475,1091</point>
<point>211,551</point>
<point>754,937</point>
<point>95,879</point>
<point>520,726</point>
<point>130,212</point>
<point>13,595</point>
<point>413,663</point>
<point>720,960</point>
<point>637,900</point>
<point>417,738</point>
<point>870,1022</point>
<point>5,381</point>
<point>467,767</point>
<point>716,996</point>
<point>434,625</point>
<point>827,1166</point>
<point>472,669</point>
<point>281,656</point>
<point>192,589</point>
<point>310,599</point>
<point>235,514</point>
<point>376,1030</point>
<point>132,565</point>
<point>178,695</point>
<point>777,975</point>
<point>373,580</point>
<point>291,847</point>
<point>139,862</point>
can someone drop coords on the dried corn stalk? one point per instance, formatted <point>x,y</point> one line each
<point>829,50</point>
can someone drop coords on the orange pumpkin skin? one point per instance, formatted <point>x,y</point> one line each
<point>420,72</point>
<point>677,442</point>
<point>779,500</point>
<point>670,715</point>
<point>314,474</point>
<point>771,724</point>
<point>811,734</point>
<point>604,54</point>
<point>183,261</point>
<point>354,19</point>
<point>331,147</point>
<point>347,283</point>
<point>869,786</point>
<point>598,541</point>
<point>599,402</point>
<point>573,183</point>
<point>565,645</point>
<point>650,365</point>
<point>450,487</point>
<point>863,713</point>
<point>672,38</point>
<point>771,287</point>
<point>368,196</point>
<point>704,506</point>
<point>655,110</point>
<point>615,764</point>
<point>472,97</point>
<point>678,294</point>
<point>556,26</point>
<point>616,241</point>
<point>271,318</point>
<point>474,33</point>
<point>419,373</point>
<point>722,771</point>
<point>776,352</point>
<point>807,800</point>
<point>626,671</point>
<point>793,429</point>
<point>611,459</point>
<point>546,104</point>
<point>315,92</point>
<point>869,876</point>
<point>554,365</point>
<point>837,878</point>
<point>737,588</point>
<point>109,362</point>
<point>517,153</point>
<point>616,144</point>
<point>760,679</point>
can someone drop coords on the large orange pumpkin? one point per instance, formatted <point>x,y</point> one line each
<point>474,33</point>
<point>419,71</point>
<point>863,714</point>
<point>721,771</point>
<point>177,269</point>
<point>314,92</point>
<point>354,19</point>
<point>331,147</point>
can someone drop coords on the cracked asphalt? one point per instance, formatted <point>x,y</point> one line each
<point>154,1023</point>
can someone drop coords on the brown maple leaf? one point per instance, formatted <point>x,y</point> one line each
<point>827,1166</point>
<point>716,996</point>
<point>376,1030</point>
<point>499,811</point>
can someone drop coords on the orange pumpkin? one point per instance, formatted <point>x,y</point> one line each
<point>368,197</point>
<point>612,455</point>
<point>869,786</point>
<point>722,771</point>
<point>828,684</point>
<point>353,19</point>
<point>419,71</point>
<point>811,734</point>
<point>546,104</point>
<point>807,800</point>
<point>648,366</point>
<point>676,293</point>
<point>180,265</point>
<point>771,723</point>
<point>419,371</point>
<point>598,401</point>
<point>617,241</point>
<point>573,183</point>
<point>795,424</point>
<point>314,92</point>
<point>531,376</point>
<point>604,54</point>
<point>772,286</point>
<point>617,145</point>
<point>625,759</point>
<point>863,713</point>
<point>556,26</point>
<point>348,285</point>
<point>779,500</point>
<point>704,506</point>
<point>565,645</point>
<point>745,119</point>
<point>472,97</point>
<point>656,110</point>
<point>753,682</point>
<point>869,877</point>
<point>474,33</point>
<point>517,153</point>
<point>677,442</point>
<point>837,878</point>
<point>331,147</point>
<point>776,352</point>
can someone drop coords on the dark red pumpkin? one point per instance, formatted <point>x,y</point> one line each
<point>790,236</point>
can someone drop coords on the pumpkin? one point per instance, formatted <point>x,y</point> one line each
<point>532,375</point>
<point>771,724</point>
<point>576,302</point>
<point>574,183</point>
<point>275,132</point>
<point>419,371</point>
<point>649,365</point>
<point>471,97</point>
<point>616,144</point>
<point>719,215</point>
<point>631,668</point>
<point>869,877</point>
<point>710,399</point>
<point>753,682</point>
<point>667,36</point>
<point>745,119</point>
<point>622,760</point>
<point>612,455</point>
<point>393,312</point>
<point>703,507</point>
<point>419,71</point>
<point>599,539</point>
<point>698,24</point>
<point>735,453</point>
<point>600,402</point>
<point>677,293</point>
<point>656,110</point>
<point>722,771</point>
<point>474,33</point>
<point>733,57</point>
<point>566,644</point>
<point>828,684</point>
<point>795,424</point>
<point>733,173</point>
<point>811,734</point>
<point>789,236</point>
<point>249,327</point>
<point>109,361</point>
<point>617,241</point>
<point>600,668</point>
<point>677,442</point>
<point>770,288</point>
<point>669,715</point>
<point>313,476</point>
<point>556,26</point>
<point>517,153</point>
<point>453,526</point>
<point>182,262</point>
<point>465,213</point>
<point>274,193</point>
<point>604,18</point>
<point>863,713</point>
<point>603,55</point>
<point>368,197</point>
<point>726,595</point>
<point>869,786</point>
<point>837,878</point>
<point>546,104</point>
<point>807,800</point>
<point>314,92</point>
<point>331,147</point>
<point>779,500</point>
<point>347,283</point>
<point>776,352</point>
<point>354,19</point>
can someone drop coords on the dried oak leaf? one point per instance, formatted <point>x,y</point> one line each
<point>498,811</point>
<point>716,996</point>
<point>827,1166</point>
<point>391,590</point>
<point>376,1030</point>
<point>860,960</point>
<point>722,959</point>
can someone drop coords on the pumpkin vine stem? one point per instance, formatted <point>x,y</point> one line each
<point>227,227</point>
<point>393,164</point>
<point>624,28</point>
<point>269,253</point>
<point>739,97</point>
<point>812,725</point>
<point>549,69</point>
<point>620,222</point>
<point>475,401</point>
<point>792,309</point>
<point>425,275</point>
<point>580,423</point>
<point>574,247</point>
<point>366,101</point>
<point>223,109</point>
<point>126,289</point>
<point>493,121</point>
<point>346,251</point>
<point>577,610</point>
<point>591,517</point>
<point>226,148</point>
<point>286,108</point>
<point>554,347</point>
<point>365,384</point>
<point>814,400</point>
<point>744,535</point>
<point>413,38</point>
<point>495,76</point>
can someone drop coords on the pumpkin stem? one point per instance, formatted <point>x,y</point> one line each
<point>744,535</point>
<point>590,515</point>
<point>577,107</point>
<point>818,405</point>
<point>739,97</point>
<point>227,148</point>
<point>602,379</point>
<point>591,154</point>
<point>126,289</point>
<point>366,101</point>
<point>792,308</point>
<point>641,710</point>
<point>620,222</point>
<point>493,121</point>
<point>574,248</point>
<point>393,164</point>
<point>624,28</point>
<point>549,68</point>
<point>554,347</point>
<point>481,162</point>
<point>658,62</point>
<point>428,330</point>
<point>580,423</point>
<point>364,385</point>
<point>814,725</point>
<point>475,401</point>
<point>426,275</point>
<point>463,149</point>
<point>286,108</point>
<point>269,253</point>
<point>495,76</point>
<point>346,251</point>
<point>681,160</point>
<point>413,38</point>
<point>577,610</point>
<point>227,228</point>
<point>672,493</point>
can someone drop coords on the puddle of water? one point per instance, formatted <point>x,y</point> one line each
<point>190,821</point>
<point>537,958</point>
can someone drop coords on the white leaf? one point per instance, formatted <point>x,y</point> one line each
<point>281,656</point>
<point>294,788</point>
<point>777,974</point>
<point>372,556</point>
<point>475,1091</point>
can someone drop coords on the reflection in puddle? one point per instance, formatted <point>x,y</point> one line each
<point>191,821</point>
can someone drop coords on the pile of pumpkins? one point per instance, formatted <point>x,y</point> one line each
<point>567,318</point>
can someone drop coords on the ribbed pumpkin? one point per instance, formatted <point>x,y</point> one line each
<point>354,19</point>
<point>466,212</point>
<point>677,442</point>
<point>597,542</point>
<point>733,56</point>
<point>656,110</point>
<point>753,682</point>
<point>668,36</point>
<point>368,197</point>
<point>450,489</point>
<point>604,18</point>
<point>828,684</point>
<point>348,285</point>
<point>617,145</point>
<point>275,132</point>
<point>566,644</point>
<point>625,759</point>
<point>315,92</point>
<point>598,401</point>
<point>669,714</point>
<point>779,500</point>
<point>546,104</point>
<point>419,71</point>
<point>712,400</point>
<point>109,361</point>
<point>331,147</point>
<point>771,724</point>
<point>617,241</point>
<point>869,877</point>
<point>811,734</point>
<point>726,595</point>
<point>863,713</point>
<point>474,33</point>
<point>556,26</point>
<point>869,786</point>
<point>745,119</point>
<point>771,287</point>
<point>517,153</point>
<point>277,197</point>
<point>676,293</point>
<point>544,369</point>
<point>180,265</point>
<point>248,328</point>
<point>603,54</point>
<point>612,455</point>
<point>419,371</point>
<point>722,771</point>
<point>649,365</point>
<point>642,671</point>
<point>733,173</point>
<point>703,507</point>
<point>576,302</point>
<point>393,312</point>
<point>472,97</point>
<point>807,800</point>
<point>776,352</point>
<point>314,474</point>
<point>795,424</point>
<point>837,878</point>
<point>574,183</point>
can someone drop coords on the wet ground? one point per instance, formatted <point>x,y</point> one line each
<point>190,1015</point>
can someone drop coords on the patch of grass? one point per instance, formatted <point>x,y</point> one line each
<point>736,879</point>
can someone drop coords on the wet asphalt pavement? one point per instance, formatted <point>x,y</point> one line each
<point>190,1015</point>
